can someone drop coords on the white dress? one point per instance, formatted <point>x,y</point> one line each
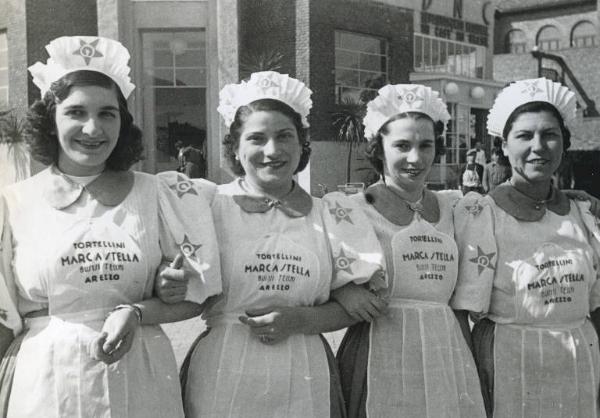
<point>278,254</point>
<point>418,363</point>
<point>77,252</point>
<point>531,268</point>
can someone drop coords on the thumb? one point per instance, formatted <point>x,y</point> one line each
<point>177,261</point>
<point>258,311</point>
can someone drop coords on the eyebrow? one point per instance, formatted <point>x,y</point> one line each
<point>109,107</point>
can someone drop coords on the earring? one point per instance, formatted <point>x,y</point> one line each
<point>237,157</point>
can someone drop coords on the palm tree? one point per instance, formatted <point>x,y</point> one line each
<point>12,139</point>
<point>349,128</point>
<point>260,61</point>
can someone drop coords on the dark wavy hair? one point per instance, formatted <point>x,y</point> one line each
<point>537,107</point>
<point>41,128</point>
<point>231,141</point>
<point>374,149</point>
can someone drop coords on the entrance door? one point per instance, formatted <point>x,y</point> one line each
<point>174,91</point>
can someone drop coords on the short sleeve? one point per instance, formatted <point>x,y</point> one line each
<point>357,254</point>
<point>9,315</point>
<point>187,227</point>
<point>477,250</point>
<point>592,222</point>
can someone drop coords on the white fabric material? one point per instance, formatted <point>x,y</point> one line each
<point>536,281</point>
<point>80,262</point>
<point>419,363</point>
<point>267,259</point>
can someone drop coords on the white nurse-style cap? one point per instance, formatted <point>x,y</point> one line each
<point>527,91</point>
<point>394,99</point>
<point>265,85</point>
<point>92,53</point>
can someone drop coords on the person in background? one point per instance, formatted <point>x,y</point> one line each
<point>496,171</point>
<point>529,267</point>
<point>480,157</point>
<point>80,246</point>
<point>470,179</point>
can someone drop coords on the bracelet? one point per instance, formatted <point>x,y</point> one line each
<point>135,308</point>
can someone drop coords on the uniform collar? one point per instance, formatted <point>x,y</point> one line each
<point>110,188</point>
<point>397,210</point>
<point>524,208</point>
<point>295,204</point>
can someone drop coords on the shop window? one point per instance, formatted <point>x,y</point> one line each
<point>516,42</point>
<point>361,66</point>
<point>438,55</point>
<point>175,81</point>
<point>583,35</point>
<point>3,71</point>
<point>548,38</point>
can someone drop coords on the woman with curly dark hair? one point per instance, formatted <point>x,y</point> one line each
<point>282,251</point>
<point>413,361</point>
<point>81,243</point>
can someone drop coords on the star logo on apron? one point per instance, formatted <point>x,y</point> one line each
<point>183,186</point>
<point>188,249</point>
<point>342,262</point>
<point>88,51</point>
<point>474,209</point>
<point>341,214</point>
<point>483,260</point>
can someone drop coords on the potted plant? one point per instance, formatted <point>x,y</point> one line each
<point>347,122</point>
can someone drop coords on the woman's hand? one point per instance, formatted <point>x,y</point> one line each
<point>116,337</point>
<point>360,303</point>
<point>583,195</point>
<point>274,324</point>
<point>171,282</point>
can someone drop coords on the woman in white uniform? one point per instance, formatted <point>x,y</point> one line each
<point>81,244</point>
<point>528,267</point>
<point>412,361</point>
<point>282,251</point>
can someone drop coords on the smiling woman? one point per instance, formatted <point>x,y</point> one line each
<point>81,243</point>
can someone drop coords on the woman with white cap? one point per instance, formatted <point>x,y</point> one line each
<point>282,251</point>
<point>528,267</point>
<point>81,243</point>
<point>413,361</point>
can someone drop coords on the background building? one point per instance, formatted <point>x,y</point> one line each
<point>184,51</point>
<point>564,35</point>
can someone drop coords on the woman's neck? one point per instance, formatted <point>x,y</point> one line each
<point>277,192</point>
<point>539,190</point>
<point>408,195</point>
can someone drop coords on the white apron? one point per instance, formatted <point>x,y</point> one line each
<point>546,364</point>
<point>419,364</point>
<point>91,267</point>
<point>231,372</point>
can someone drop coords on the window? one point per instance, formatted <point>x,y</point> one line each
<point>433,54</point>
<point>584,34</point>
<point>361,66</point>
<point>3,71</point>
<point>174,65</point>
<point>516,42</point>
<point>548,38</point>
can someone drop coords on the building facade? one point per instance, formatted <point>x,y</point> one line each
<point>558,39</point>
<point>185,51</point>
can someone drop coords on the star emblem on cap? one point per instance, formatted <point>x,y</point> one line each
<point>483,260</point>
<point>88,51</point>
<point>531,88</point>
<point>188,249</point>
<point>474,209</point>
<point>410,97</point>
<point>183,186</point>
<point>342,262</point>
<point>266,83</point>
<point>341,214</point>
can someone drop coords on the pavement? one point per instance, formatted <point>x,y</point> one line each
<point>182,335</point>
